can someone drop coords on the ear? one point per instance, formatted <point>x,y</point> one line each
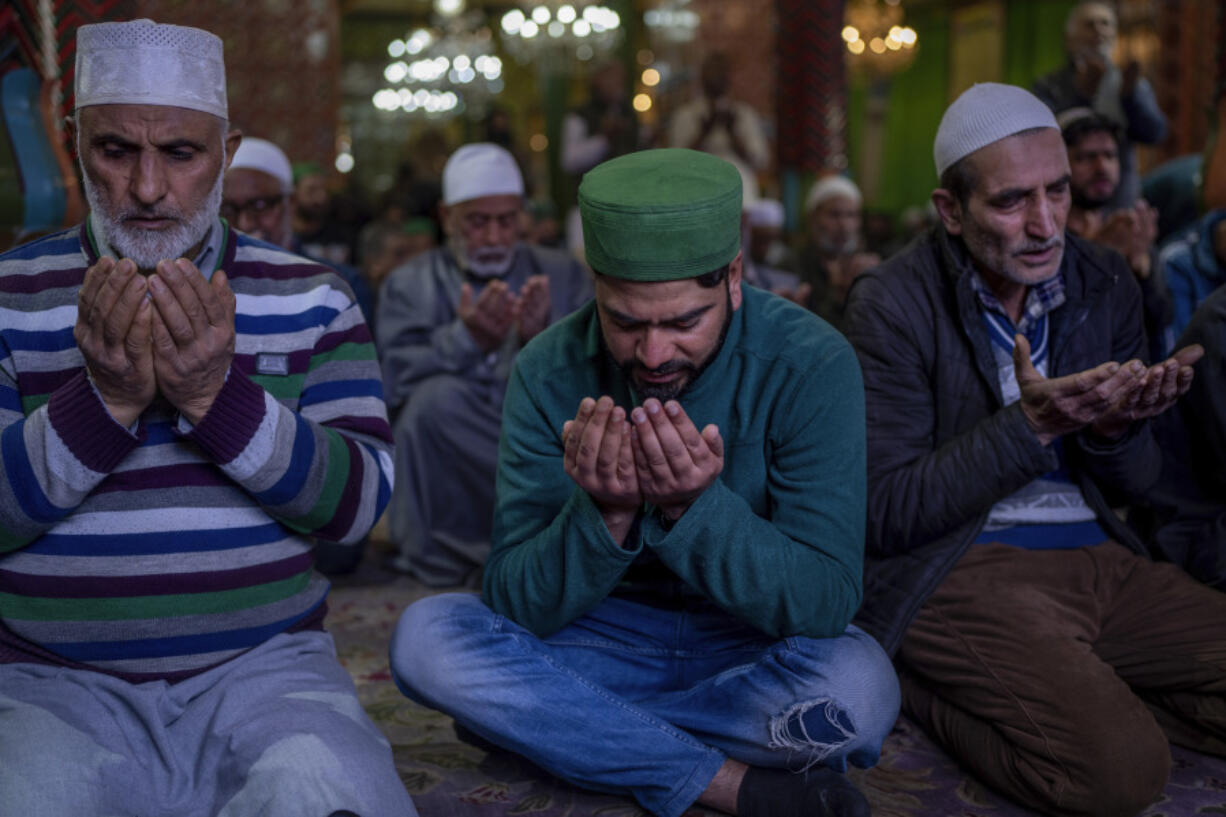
<point>233,139</point>
<point>735,268</point>
<point>70,128</point>
<point>949,209</point>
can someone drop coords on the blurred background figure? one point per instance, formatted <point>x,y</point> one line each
<point>716,123</point>
<point>257,198</point>
<point>833,252</point>
<point>1093,144</point>
<point>449,326</point>
<point>1194,267</point>
<point>316,233</point>
<point>1091,79</point>
<point>386,245</point>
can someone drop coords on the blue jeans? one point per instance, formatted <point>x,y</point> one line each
<point>635,700</point>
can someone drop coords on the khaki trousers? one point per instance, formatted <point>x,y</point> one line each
<point>1058,676</point>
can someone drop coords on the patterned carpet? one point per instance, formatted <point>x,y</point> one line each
<point>448,777</point>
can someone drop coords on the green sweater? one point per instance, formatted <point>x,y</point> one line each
<point>777,540</point>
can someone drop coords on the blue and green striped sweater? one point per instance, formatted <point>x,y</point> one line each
<point>159,554</point>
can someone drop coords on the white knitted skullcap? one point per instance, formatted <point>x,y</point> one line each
<point>830,187</point>
<point>765,213</point>
<point>146,63</point>
<point>264,156</point>
<point>985,113</point>
<point>481,169</point>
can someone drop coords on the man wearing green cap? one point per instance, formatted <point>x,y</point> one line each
<point>678,529</point>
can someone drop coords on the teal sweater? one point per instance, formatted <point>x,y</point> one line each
<point>777,540</point>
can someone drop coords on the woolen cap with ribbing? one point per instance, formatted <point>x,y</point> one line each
<point>661,215</point>
<point>985,113</point>
<point>146,63</point>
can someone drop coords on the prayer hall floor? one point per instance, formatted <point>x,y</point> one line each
<point>449,777</point>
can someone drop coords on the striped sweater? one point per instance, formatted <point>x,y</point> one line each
<point>160,553</point>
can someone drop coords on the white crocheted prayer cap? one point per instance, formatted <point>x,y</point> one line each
<point>481,169</point>
<point>830,187</point>
<point>765,213</point>
<point>146,63</point>
<point>264,156</point>
<point>985,113</point>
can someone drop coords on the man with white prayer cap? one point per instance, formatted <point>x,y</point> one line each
<point>257,197</point>
<point>1008,410</point>
<point>833,253</point>
<point>256,193</point>
<point>450,323</point>
<point>176,434</point>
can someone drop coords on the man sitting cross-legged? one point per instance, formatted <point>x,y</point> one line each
<point>677,534</point>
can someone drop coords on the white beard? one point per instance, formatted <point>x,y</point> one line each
<point>147,247</point>
<point>488,262</point>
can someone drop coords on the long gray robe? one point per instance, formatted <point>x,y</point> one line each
<point>445,395</point>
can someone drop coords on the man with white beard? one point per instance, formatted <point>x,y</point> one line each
<point>449,323</point>
<point>175,434</point>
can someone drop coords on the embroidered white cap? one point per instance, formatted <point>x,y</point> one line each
<point>146,63</point>
<point>481,169</point>
<point>985,113</point>
<point>262,155</point>
<point>828,188</point>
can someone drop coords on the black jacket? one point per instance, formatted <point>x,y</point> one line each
<point>942,449</point>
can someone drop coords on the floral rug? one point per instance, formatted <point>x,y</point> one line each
<point>449,777</point>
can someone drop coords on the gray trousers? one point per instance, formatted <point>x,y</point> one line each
<point>276,732</point>
<point>442,505</point>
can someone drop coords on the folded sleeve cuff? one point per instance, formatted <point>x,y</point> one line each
<point>81,421</point>
<point>237,411</point>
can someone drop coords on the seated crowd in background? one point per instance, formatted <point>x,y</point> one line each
<point>851,457</point>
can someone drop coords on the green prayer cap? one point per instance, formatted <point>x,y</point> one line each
<point>305,168</point>
<point>661,215</point>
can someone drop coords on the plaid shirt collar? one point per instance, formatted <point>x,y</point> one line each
<point>1040,299</point>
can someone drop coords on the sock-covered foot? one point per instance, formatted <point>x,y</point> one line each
<point>819,792</point>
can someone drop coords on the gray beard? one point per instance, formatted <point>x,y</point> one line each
<point>485,263</point>
<point>147,247</point>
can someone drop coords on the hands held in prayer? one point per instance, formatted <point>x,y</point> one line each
<point>674,461</point>
<point>1089,66</point>
<point>113,332</point>
<point>193,335</point>
<point>534,307</point>
<point>491,315</point>
<point>1106,398</point>
<point>1162,385</point>
<point>659,456</point>
<point>598,457</point>
<point>179,340</point>
<point>1131,232</point>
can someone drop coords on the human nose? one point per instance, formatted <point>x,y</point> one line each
<point>654,350</point>
<point>148,179</point>
<point>1041,219</point>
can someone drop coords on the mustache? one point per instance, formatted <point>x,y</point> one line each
<point>664,369</point>
<point>1040,246</point>
<point>129,213</point>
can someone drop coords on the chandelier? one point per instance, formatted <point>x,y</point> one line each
<point>442,70</point>
<point>877,41</point>
<point>554,32</point>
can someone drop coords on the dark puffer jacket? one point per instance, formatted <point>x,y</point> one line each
<point>942,449</point>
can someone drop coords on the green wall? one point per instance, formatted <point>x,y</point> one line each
<point>916,98</point>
